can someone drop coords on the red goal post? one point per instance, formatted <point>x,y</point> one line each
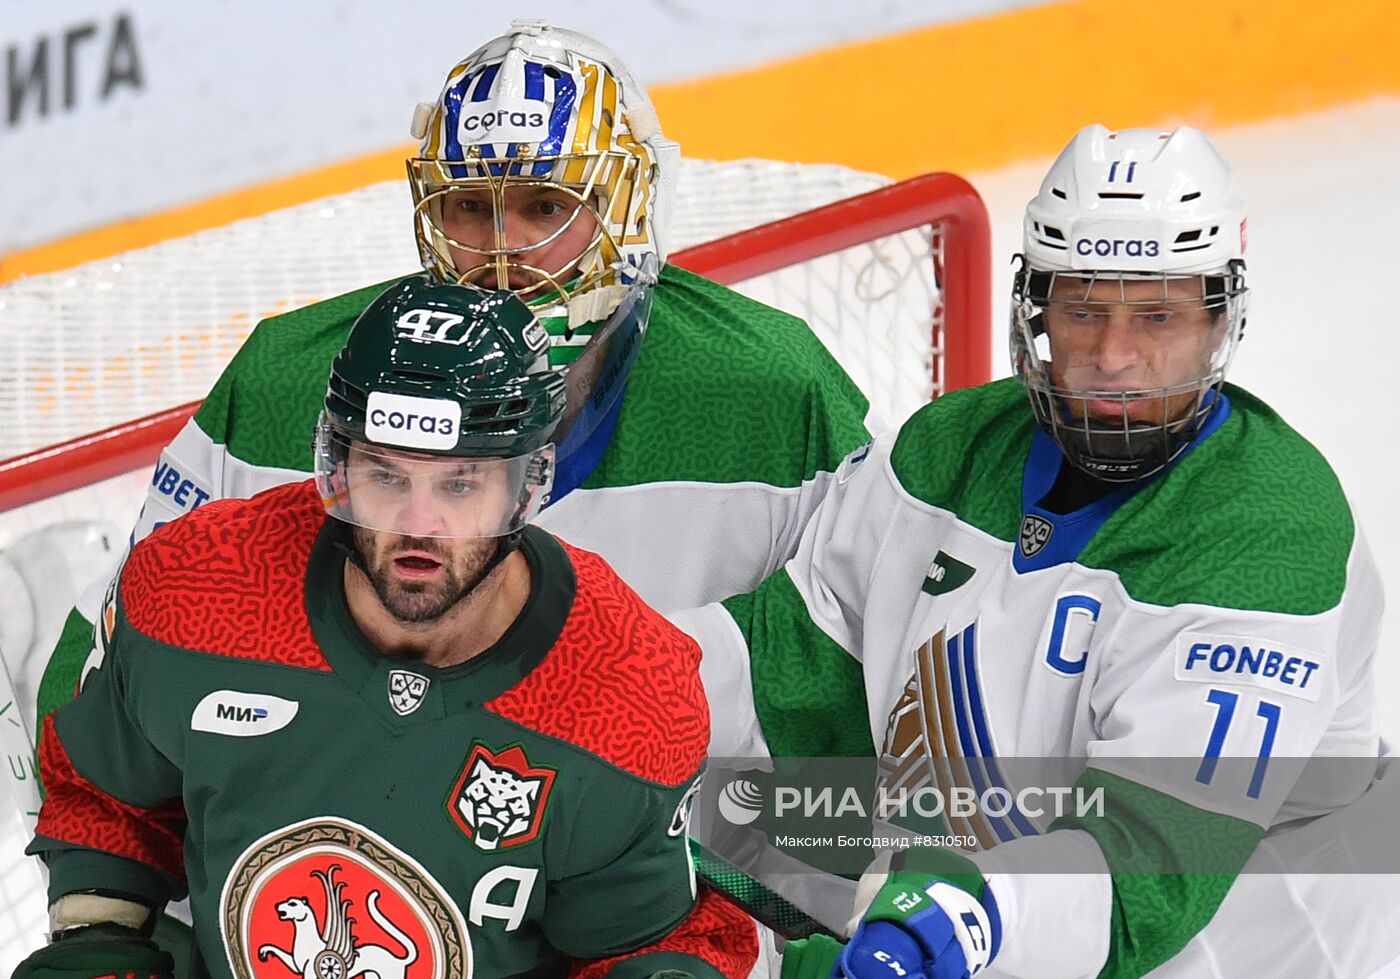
<point>895,279</point>
<point>959,332</point>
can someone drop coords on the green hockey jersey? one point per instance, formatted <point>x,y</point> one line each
<point>523,813</point>
<point>733,418</point>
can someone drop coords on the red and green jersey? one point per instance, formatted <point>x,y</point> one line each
<point>328,807</point>
<point>734,417</point>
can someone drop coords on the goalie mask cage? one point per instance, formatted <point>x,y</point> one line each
<point>102,362</point>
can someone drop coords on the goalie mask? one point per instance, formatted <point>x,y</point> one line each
<point>440,415</point>
<point>542,169</point>
<point>1129,299</point>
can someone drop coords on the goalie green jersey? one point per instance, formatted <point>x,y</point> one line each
<point>733,418</point>
<point>524,813</point>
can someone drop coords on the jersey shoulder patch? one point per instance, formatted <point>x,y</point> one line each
<point>229,578</point>
<point>621,682</point>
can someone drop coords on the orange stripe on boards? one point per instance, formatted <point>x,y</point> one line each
<point>962,97</point>
<point>986,92</point>
<point>113,239</point>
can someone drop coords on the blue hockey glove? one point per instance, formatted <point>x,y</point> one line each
<point>98,952</point>
<point>922,926</point>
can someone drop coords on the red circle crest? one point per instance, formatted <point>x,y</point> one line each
<point>328,899</point>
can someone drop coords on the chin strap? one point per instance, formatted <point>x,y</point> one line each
<point>505,547</point>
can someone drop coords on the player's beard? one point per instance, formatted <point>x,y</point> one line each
<point>463,561</point>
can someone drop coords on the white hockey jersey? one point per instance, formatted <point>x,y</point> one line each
<point>1184,644</point>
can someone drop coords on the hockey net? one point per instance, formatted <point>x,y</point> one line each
<point>104,361</point>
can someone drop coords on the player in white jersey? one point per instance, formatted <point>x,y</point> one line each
<point>1147,575</point>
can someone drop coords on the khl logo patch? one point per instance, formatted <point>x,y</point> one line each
<point>406,691</point>
<point>1035,534</point>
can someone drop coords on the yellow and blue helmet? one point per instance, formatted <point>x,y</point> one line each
<point>545,109</point>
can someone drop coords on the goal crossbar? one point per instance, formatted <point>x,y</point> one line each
<point>962,271</point>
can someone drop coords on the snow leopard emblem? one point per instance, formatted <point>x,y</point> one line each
<point>406,691</point>
<point>1035,534</point>
<point>499,799</point>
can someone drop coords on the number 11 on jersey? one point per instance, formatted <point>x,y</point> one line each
<point>1225,701</point>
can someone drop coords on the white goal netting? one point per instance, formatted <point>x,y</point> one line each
<point>123,337</point>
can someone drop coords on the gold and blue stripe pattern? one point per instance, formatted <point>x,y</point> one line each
<point>938,737</point>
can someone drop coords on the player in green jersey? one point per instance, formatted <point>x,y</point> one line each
<point>701,426</point>
<point>377,723</point>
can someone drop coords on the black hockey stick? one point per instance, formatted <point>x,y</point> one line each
<point>761,903</point>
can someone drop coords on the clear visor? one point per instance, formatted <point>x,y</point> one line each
<point>417,495</point>
<point>541,228</point>
<point>597,360</point>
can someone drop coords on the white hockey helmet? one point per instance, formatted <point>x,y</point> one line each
<point>543,106</point>
<point>1136,200</point>
<point>1137,219</point>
